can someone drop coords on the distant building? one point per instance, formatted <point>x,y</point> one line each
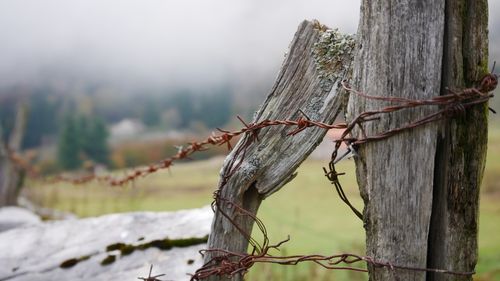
<point>126,128</point>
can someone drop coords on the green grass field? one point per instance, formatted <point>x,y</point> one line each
<point>308,209</point>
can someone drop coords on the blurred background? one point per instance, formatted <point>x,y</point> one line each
<point>115,84</point>
<point>146,71</point>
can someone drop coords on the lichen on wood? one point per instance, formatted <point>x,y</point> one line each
<point>331,53</point>
<point>301,89</point>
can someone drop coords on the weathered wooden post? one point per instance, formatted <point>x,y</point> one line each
<point>421,187</point>
<point>10,175</point>
<point>309,81</point>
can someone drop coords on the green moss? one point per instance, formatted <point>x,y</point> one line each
<point>166,244</point>
<point>189,241</point>
<point>114,247</point>
<point>108,260</point>
<point>72,262</point>
<point>162,244</point>
<point>484,68</point>
<point>68,263</point>
<point>127,250</point>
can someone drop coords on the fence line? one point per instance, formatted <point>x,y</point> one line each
<point>229,263</point>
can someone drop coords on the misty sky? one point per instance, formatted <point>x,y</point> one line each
<point>161,42</point>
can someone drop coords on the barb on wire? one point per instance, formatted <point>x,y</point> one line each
<point>152,278</point>
<point>452,104</point>
<point>229,263</point>
<point>21,162</point>
<point>224,138</point>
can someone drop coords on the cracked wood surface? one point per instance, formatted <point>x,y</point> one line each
<point>420,188</point>
<point>462,146</point>
<point>270,162</point>
<point>400,53</point>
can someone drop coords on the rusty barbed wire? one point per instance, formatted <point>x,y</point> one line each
<point>229,263</point>
<point>223,138</point>
<point>21,162</point>
<point>452,103</point>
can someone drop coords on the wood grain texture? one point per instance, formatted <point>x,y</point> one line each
<point>400,53</point>
<point>271,162</point>
<point>461,154</point>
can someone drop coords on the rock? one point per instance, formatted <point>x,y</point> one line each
<point>12,217</point>
<point>44,213</point>
<point>111,247</point>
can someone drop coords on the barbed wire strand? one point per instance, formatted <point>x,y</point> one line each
<point>229,263</point>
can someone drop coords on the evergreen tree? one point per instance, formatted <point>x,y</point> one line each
<point>150,114</point>
<point>94,140</point>
<point>81,138</point>
<point>215,109</point>
<point>7,116</point>
<point>43,118</point>
<point>68,150</point>
<point>183,102</point>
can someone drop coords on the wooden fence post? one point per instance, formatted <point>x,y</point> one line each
<point>461,149</point>
<point>309,81</point>
<point>10,175</point>
<point>421,187</point>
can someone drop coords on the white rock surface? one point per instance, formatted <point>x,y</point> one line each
<point>12,217</point>
<point>36,251</point>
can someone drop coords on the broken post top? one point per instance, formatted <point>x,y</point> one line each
<point>308,86</point>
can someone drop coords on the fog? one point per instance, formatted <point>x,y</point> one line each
<point>161,42</point>
<point>154,42</point>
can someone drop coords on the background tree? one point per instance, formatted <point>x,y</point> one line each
<point>82,138</point>
<point>43,119</point>
<point>68,149</point>
<point>182,101</point>
<point>94,136</point>
<point>150,114</point>
<point>11,176</point>
<point>215,109</point>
